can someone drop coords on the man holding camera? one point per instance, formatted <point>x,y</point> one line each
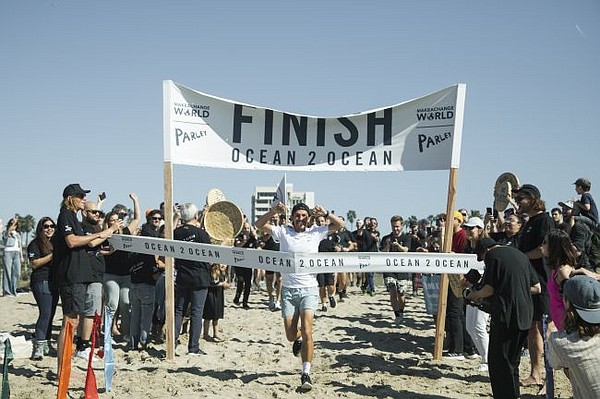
<point>506,286</point>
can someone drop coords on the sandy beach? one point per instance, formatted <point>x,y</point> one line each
<point>358,353</point>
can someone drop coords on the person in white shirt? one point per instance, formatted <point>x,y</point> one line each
<point>299,292</point>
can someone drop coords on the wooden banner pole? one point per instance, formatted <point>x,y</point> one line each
<point>169,283</point>
<point>446,247</point>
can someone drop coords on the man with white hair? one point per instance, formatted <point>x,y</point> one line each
<point>193,278</point>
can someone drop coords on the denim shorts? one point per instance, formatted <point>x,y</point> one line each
<point>293,300</point>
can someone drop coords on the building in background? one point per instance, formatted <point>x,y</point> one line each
<point>262,200</point>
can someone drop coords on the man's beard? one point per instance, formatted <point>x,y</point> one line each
<point>91,221</point>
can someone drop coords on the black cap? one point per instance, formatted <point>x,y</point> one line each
<point>482,245</point>
<point>530,190</point>
<point>583,182</point>
<point>74,189</point>
<point>300,206</point>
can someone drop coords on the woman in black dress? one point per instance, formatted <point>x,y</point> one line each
<point>214,308</point>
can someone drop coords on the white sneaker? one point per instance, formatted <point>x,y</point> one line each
<point>84,354</point>
<point>453,356</point>
<point>482,367</point>
<point>277,305</point>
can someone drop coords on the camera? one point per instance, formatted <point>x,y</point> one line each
<point>485,304</point>
<point>466,292</point>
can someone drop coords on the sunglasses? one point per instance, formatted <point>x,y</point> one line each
<point>95,212</point>
<point>157,218</point>
<point>49,226</point>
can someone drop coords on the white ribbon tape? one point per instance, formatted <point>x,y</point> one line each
<point>285,262</point>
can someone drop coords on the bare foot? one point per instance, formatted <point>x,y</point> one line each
<point>530,382</point>
<point>542,391</point>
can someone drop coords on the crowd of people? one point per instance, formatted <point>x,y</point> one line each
<point>521,300</point>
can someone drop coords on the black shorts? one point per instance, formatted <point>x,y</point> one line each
<point>325,279</point>
<point>72,298</point>
<point>540,305</point>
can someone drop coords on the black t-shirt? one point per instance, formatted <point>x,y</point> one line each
<point>119,262</point>
<point>192,274</point>
<point>271,244</point>
<point>532,236</point>
<point>406,240</point>
<point>368,241</point>
<point>501,238</point>
<point>144,267</point>
<point>95,258</point>
<point>329,243</point>
<point>42,273</point>
<point>508,270</point>
<point>586,198</point>
<point>71,265</point>
<point>346,237</point>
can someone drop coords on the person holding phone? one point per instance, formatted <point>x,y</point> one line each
<point>71,265</point>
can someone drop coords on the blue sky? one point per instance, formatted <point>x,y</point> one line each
<point>81,93</point>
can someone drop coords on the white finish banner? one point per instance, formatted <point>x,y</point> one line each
<point>421,134</point>
<point>284,262</point>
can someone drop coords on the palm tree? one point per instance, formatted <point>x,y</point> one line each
<point>351,216</point>
<point>476,213</point>
<point>26,226</point>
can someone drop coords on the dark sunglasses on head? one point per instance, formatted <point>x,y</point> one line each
<point>49,226</point>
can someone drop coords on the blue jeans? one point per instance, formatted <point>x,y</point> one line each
<point>12,272</point>
<point>370,283</point>
<point>116,295</point>
<point>46,302</point>
<point>197,298</point>
<point>141,297</point>
<point>159,301</point>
